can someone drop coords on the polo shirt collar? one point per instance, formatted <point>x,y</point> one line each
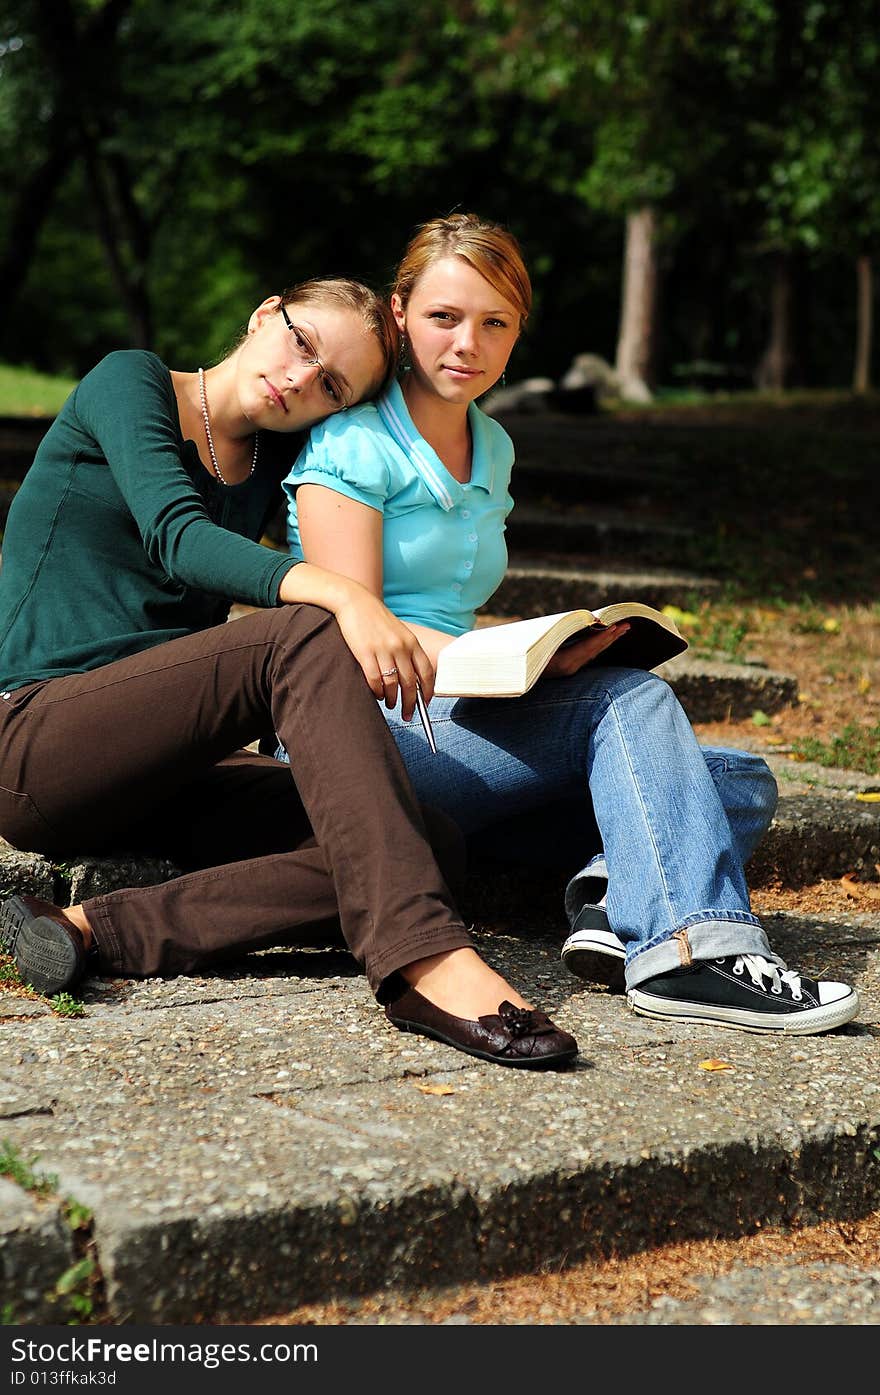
<point>442,486</point>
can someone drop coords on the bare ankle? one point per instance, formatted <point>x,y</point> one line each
<point>460,982</point>
<point>77,916</point>
<point>451,962</point>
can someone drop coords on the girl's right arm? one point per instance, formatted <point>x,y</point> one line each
<point>344,536</point>
<point>379,641</point>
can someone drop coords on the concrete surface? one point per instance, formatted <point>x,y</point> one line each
<point>260,1137</point>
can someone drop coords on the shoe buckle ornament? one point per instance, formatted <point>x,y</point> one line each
<point>518,1021</point>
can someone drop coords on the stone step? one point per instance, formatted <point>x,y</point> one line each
<point>813,837</point>
<point>283,1144</point>
<point>821,830</point>
<point>546,533</point>
<point>588,483</point>
<point>535,588</point>
<point>712,690</point>
<point>573,442</point>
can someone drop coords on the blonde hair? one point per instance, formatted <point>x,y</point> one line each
<point>376,315</point>
<point>489,248</point>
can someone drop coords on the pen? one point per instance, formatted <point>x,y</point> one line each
<point>426,720</point>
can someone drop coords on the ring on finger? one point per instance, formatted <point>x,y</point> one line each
<point>389,672</point>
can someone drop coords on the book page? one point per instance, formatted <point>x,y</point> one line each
<point>515,638</point>
<point>622,610</point>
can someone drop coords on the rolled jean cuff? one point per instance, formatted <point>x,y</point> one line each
<point>703,935</point>
<point>382,972</point>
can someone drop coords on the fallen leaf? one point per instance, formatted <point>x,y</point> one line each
<point>681,617</point>
<point>859,891</point>
<point>831,626</point>
<point>864,684</point>
<point>436,1089</point>
<point>714,1064</point>
<point>775,740</point>
<point>869,796</point>
<point>760,719</point>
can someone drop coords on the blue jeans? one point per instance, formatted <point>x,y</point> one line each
<point>676,822</point>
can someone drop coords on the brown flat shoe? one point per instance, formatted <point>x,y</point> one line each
<point>48,949</point>
<point>512,1037</point>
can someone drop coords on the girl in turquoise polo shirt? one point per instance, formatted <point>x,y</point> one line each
<point>409,496</point>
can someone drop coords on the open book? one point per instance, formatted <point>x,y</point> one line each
<point>506,660</point>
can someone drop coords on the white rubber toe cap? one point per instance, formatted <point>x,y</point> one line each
<point>830,992</point>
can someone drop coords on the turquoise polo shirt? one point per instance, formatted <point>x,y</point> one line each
<point>443,545</point>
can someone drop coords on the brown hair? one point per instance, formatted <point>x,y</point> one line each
<point>488,247</point>
<point>351,295</point>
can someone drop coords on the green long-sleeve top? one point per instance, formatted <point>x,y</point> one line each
<point>120,539</point>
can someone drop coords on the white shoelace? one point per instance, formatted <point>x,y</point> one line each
<point>760,968</point>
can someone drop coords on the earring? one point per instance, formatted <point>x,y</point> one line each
<point>502,381</point>
<point>404,359</point>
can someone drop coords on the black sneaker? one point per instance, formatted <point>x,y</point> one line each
<point>749,992</point>
<point>593,951</point>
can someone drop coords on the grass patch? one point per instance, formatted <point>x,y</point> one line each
<point>26,393</point>
<point>857,747</point>
<point>11,981</point>
<point>67,1006</point>
<point>21,1171</point>
<point>713,631</point>
<point>76,1289</point>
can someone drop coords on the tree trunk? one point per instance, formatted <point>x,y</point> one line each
<point>32,205</point>
<point>638,312</point>
<point>78,53</point>
<point>782,362</point>
<point>865,323</point>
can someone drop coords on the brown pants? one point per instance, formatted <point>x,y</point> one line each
<point>146,754</point>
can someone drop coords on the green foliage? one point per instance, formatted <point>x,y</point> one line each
<point>78,1217</point>
<point>813,622</point>
<point>856,747</point>
<point>719,635</point>
<point>205,156</point>
<point>26,393</point>
<point>9,973</point>
<point>75,1287</point>
<point>21,1171</point>
<point>66,1006</point>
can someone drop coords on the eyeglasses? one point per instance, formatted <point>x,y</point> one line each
<point>304,351</point>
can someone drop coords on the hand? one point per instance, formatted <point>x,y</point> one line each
<point>574,656</point>
<point>386,649</point>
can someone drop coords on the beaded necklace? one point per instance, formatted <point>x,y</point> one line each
<point>207,420</point>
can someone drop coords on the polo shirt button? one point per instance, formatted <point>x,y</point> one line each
<point>465,513</point>
<point>472,537</point>
<point>467,566</point>
<point>456,585</point>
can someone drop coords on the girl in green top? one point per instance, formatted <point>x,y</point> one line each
<point>128,705</point>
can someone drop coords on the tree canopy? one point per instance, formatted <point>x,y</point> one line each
<point>163,167</point>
